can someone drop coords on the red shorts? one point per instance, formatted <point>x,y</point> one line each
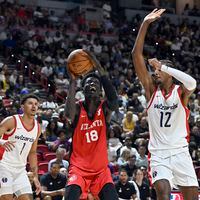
<point>87,181</point>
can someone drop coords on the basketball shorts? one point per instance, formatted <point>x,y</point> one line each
<point>178,169</point>
<point>14,181</point>
<point>88,182</point>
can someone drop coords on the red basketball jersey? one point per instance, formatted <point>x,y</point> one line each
<point>89,145</point>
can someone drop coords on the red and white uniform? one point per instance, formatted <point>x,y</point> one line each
<point>13,163</point>
<point>89,159</point>
<point>169,134</point>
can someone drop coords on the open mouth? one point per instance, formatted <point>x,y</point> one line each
<point>93,89</point>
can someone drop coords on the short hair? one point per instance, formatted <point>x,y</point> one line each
<point>123,170</point>
<point>90,75</point>
<point>54,163</point>
<point>28,96</point>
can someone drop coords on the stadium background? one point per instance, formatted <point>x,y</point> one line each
<point>37,36</point>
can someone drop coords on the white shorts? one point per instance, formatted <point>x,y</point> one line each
<point>178,169</point>
<point>14,182</point>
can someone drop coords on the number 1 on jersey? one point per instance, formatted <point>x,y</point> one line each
<point>91,136</point>
<point>22,148</point>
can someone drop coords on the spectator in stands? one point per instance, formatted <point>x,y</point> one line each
<point>49,103</point>
<point>123,158</point>
<point>63,171</point>
<point>20,83</point>
<point>13,78</point>
<point>128,124</point>
<point>141,129</point>
<point>113,141</point>
<point>125,189</point>
<point>47,70</point>
<point>62,84</point>
<point>55,119</point>
<point>144,189</point>
<point>53,183</point>
<point>50,134</point>
<point>31,179</point>
<point>130,165</point>
<point>128,145</point>
<point>60,154</point>
<point>61,141</point>
<point>142,159</point>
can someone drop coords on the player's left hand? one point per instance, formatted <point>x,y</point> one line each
<point>154,15</point>
<point>155,63</point>
<point>37,185</point>
<point>95,62</point>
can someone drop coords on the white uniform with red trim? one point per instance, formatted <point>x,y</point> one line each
<point>13,177</point>
<point>169,134</point>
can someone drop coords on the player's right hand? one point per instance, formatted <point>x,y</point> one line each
<point>71,75</point>
<point>154,15</point>
<point>7,145</point>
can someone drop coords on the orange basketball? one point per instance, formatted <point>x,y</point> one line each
<point>79,63</point>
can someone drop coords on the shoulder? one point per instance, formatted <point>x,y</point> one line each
<point>9,122</point>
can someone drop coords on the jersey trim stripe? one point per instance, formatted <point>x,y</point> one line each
<point>149,169</point>
<point>25,126</point>
<point>187,112</point>
<point>152,98</point>
<point>169,94</point>
<point>38,125</point>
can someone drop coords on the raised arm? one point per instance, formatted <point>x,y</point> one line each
<point>137,52</point>
<point>70,104</point>
<point>188,83</point>
<point>110,92</point>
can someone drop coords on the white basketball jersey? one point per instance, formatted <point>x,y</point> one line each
<point>24,139</point>
<point>168,121</point>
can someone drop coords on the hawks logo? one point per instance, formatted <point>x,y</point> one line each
<point>155,174</point>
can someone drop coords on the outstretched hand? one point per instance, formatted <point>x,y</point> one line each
<point>71,75</point>
<point>154,15</point>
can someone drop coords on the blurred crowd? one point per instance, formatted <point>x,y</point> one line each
<point>37,37</point>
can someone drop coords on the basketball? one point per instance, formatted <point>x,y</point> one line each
<point>79,62</point>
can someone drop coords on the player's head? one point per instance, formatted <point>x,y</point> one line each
<point>91,85</point>
<point>162,77</point>
<point>29,104</point>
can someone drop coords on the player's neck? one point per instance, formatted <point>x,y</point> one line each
<point>91,106</point>
<point>167,87</point>
<point>27,119</point>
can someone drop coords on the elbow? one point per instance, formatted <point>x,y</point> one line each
<point>113,105</point>
<point>192,85</point>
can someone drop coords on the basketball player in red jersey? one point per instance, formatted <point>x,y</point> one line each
<point>170,161</point>
<point>19,136</point>
<point>89,120</point>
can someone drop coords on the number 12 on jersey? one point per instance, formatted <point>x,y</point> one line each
<point>91,136</point>
<point>164,119</point>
